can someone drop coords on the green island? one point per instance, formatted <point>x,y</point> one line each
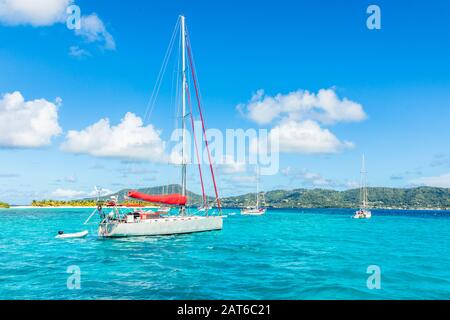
<point>4,205</point>
<point>381,198</point>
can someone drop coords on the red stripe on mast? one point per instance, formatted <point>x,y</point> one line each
<point>203,122</point>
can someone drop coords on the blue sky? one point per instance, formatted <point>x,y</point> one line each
<point>399,75</point>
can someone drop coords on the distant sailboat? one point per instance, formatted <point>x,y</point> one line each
<point>256,210</point>
<point>363,212</point>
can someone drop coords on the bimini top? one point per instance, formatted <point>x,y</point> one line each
<point>171,199</point>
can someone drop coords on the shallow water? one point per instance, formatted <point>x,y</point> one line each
<point>286,254</point>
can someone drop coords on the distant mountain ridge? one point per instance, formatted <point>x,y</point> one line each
<point>418,198</point>
<point>402,198</point>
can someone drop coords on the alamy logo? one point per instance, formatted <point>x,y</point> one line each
<point>374,280</point>
<point>73,20</point>
<point>74,280</point>
<point>374,20</point>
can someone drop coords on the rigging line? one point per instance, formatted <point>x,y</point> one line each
<point>177,87</point>
<point>173,87</point>
<point>148,115</point>
<point>177,104</point>
<point>175,92</point>
<point>196,146</point>
<point>195,68</point>
<point>154,94</point>
<point>203,122</point>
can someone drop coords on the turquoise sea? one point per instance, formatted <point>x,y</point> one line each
<point>286,254</point>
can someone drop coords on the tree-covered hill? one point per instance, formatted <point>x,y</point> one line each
<point>414,198</point>
<point>4,205</point>
<point>423,197</point>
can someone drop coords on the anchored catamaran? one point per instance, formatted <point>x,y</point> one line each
<point>363,212</point>
<point>119,222</point>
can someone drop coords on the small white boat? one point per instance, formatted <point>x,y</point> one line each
<point>81,234</point>
<point>256,210</point>
<point>363,212</point>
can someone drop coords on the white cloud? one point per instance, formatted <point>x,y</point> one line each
<point>306,137</point>
<point>130,139</point>
<point>71,194</point>
<point>307,177</point>
<point>99,192</point>
<point>299,118</point>
<point>41,13</point>
<point>67,193</point>
<point>27,124</point>
<point>231,166</point>
<point>325,107</point>
<point>351,184</point>
<point>77,52</point>
<point>441,181</point>
<point>93,30</point>
<point>176,158</point>
<point>33,12</point>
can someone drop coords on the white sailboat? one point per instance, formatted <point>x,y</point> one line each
<point>117,223</point>
<point>256,210</point>
<point>363,212</point>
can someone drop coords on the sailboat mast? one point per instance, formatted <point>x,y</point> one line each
<point>183,65</point>
<point>257,186</point>
<point>363,183</point>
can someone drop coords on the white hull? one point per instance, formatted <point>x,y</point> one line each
<point>161,226</point>
<point>81,234</point>
<point>253,212</point>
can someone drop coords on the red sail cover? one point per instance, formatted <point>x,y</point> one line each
<point>172,199</point>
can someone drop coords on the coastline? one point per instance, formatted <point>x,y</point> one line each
<point>68,207</point>
<point>296,208</point>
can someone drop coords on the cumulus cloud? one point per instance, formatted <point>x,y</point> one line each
<point>298,119</point>
<point>67,193</point>
<point>306,137</point>
<point>49,12</point>
<point>71,194</point>
<point>27,124</point>
<point>32,12</point>
<point>93,30</point>
<point>231,166</point>
<point>324,107</point>
<point>130,140</point>
<point>99,192</point>
<point>441,181</point>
